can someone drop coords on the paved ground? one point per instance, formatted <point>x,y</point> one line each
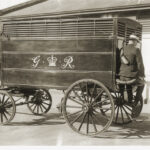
<point>51,130</point>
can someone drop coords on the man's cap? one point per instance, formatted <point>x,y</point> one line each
<point>133,37</point>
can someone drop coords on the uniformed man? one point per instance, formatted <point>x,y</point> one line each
<point>132,67</point>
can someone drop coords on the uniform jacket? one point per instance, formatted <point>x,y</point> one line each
<point>135,67</point>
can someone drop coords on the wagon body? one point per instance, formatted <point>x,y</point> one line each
<point>77,54</point>
<point>56,52</point>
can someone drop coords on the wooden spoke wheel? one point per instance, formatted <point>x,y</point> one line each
<point>39,103</point>
<point>7,107</point>
<point>123,110</point>
<point>83,104</point>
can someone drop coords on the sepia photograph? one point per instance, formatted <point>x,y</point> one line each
<point>74,73</point>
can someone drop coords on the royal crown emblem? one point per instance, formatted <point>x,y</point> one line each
<point>52,61</point>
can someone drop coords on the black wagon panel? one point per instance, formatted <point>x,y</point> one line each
<point>52,79</point>
<point>60,61</point>
<point>58,52</point>
<point>59,45</point>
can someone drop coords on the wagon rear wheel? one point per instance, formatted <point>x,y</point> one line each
<point>82,107</point>
<point>124,111</point>
<point>7,107</point>
<point>39,103</point>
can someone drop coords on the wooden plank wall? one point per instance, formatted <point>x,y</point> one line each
<point>56,63</point>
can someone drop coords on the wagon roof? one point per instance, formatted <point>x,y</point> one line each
<point>59,7</point>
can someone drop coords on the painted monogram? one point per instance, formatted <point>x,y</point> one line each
<point>52,62</point>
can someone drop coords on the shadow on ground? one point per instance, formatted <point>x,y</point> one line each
<point>134,130</point>
<point>47,119</point>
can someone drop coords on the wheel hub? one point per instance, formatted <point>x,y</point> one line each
<point>88,108</point>
<point>119,102</point>
<point>2,109</point>
<point>38,101</point>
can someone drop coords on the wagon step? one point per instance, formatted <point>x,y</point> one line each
<point>125,82</point>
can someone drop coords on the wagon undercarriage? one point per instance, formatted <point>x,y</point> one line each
<point>88,106</point>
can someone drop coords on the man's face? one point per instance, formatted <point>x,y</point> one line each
<point>135,42</point>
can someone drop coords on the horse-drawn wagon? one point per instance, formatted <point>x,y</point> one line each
<point>78,55</point>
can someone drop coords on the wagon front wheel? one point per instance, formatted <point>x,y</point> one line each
<point>39,103</point>
<point>83,104</point>
<point>7,107</point>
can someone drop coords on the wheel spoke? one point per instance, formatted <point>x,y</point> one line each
<point>76,94</point>
<point>41,108</point>
<point>117,114</point>
<point>107,110</point>
<point>94,125</point>
<point>74,113</point>
<point>33,99</point>
<point>95,117</point>
<point>116,107</point>
<point>127,114</point>
<point>87,131</point>
<point>99,102</point>
<point>82,93</point>
<point>45,103</point>
<point>99,94</point>
<point>3,98</point>
<point>82,122</point>
<point>75,101</point>
<point>96,111</point>
<point>37,109</point>
<point>1,117</point>
<point>76,118</point>
<point>93,92</point>
<point>116,95</point>
<point>128,107</point>
<point>8,105</point>
<point>6,101</point>
<point>6,111</point>
<point>122,115</point>
<point>5,116</point>
<point>34,108</point>
<point>32,104</point>
<point>87,92</point>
